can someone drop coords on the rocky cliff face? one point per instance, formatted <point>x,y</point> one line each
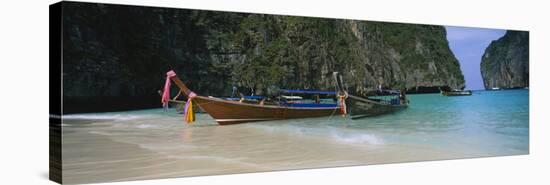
<point>505,63</point>
<point>116,57</point>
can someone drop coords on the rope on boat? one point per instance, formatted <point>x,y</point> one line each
<point>177,96</point>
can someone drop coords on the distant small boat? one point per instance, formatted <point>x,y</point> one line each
<point>361,107</point>
<point>456,92</point>
<point>494,87</point>
<point>229,111</point>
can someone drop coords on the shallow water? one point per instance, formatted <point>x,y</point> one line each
<point>152,143</point>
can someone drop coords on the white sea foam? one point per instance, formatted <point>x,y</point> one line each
<point>103,133</point>
<point>359,139</point>
<point>238,160</point>
<point>102,116</point>
<point>337,134</point>
<point>144,126</point>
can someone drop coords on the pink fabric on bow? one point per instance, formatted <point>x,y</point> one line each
<point>166,91</point>
<point>186,110</point>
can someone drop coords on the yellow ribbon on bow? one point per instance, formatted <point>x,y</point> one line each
<point>189,114</point>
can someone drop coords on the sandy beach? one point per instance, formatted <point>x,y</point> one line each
<point>155,146</point>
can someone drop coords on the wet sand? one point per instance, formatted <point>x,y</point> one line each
<point>163,146</point>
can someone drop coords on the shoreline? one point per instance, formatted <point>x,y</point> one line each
<point>111,110</point>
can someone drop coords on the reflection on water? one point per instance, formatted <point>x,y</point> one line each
<point>156,144</point>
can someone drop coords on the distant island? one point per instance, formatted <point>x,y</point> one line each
<point>116,57</point>
<point>505,63</point>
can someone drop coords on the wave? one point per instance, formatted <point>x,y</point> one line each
<point>105,133</point>
<point>102,117</point>
<point>142,126</point>
<point>221,159</point>
<point>358,139</point>
<point>336,134</point>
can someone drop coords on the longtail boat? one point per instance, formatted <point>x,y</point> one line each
<point>455,92</point>
<point>360,107</point>
<point>227,112</point>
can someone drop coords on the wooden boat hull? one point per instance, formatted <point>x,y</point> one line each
<point>360,107</point>
<point>232,112</point>
<point>227,112</point>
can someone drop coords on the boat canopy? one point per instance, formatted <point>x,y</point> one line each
<point>248,98</point>
<point>254,97</point>
<point>306,91</point>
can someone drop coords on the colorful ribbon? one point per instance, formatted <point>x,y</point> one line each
<point>343,106</point>
<point>166,93</point>
<point>189,115</point>
<point>343,109</point>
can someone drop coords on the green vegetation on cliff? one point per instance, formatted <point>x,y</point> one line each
<point>124,51</point>
<point>505,63</point>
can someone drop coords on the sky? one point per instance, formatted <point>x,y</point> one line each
<point>468,45</point>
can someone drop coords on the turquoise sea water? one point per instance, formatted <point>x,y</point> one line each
<point>493,122</point>
<point>119,145</point>
<point>486,123</point>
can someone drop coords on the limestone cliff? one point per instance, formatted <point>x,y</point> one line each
<point>505,63</point>
<point>115,57</point>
